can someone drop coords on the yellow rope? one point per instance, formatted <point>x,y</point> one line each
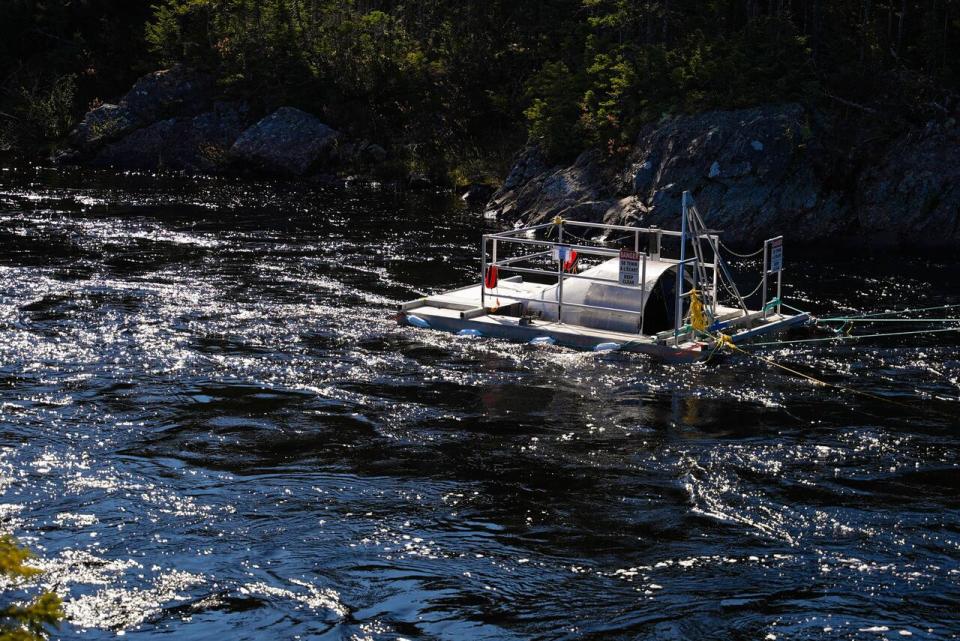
<point>728,342</point>
<point>698,319</point>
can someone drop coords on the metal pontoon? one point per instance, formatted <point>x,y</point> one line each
<point>659,293</point>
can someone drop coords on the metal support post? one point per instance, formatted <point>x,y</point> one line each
<point>483,271</point>
<point>716,267</point>
<point>678,307</point>
<point>779,286</point>
<point>643,290</point>
<point>559,277</point>
<point>763,288</point>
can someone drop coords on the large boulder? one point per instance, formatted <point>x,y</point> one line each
<point>288,142</point>
<point>101,125</point>
<point>174,92</point>
<point>912,192</point>
<point>178,91</point>
<point>754,173</point>
<point>198,144</point>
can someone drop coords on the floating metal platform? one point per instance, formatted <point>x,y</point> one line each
<point>634,297</point>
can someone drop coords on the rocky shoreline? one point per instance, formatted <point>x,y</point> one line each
<point>172,120</point>
<point>755,173</point>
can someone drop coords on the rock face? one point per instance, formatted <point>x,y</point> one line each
<point>914,189</point>
<point>199,144</point>
<point>170,120</point>
<point>156,96</point>
<point>537,191</point>
<point>288,141</point>
<point>751,171</point>
<point>101,125</point>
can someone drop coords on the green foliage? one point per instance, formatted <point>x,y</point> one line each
<point>30,622</point>
<point>58,57</point>
<point>555,109</point>
<point>637,65</point>
<point>438,80</point>
<point>48,110</point>
<point>39,114</point>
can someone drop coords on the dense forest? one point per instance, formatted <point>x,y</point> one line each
<point>461,85</point>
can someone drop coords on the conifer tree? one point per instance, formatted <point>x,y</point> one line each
<point>25,622</point>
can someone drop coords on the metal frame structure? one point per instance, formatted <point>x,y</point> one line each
<point>490,253</point>
<point>699,269</point>
<point>704,268</point>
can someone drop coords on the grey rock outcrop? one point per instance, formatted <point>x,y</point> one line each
<point>538,191</point>
<point>178,91</point>
<point>102,125</point>
<point>753,172</point>
<point>913,190</point>
<point>287,142</point>
<point>170,120</point>
<point>174,92</point>
<point>198,144</point>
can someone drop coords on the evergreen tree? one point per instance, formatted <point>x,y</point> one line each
<point>29,622</point>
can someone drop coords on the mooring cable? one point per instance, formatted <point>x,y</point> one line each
<point>889,320</point>
<point>847,337</point>
<point>891,312</point>
<point>728,250</point>
<point>726,341</point>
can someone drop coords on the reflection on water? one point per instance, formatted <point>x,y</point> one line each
<point>210,425</point>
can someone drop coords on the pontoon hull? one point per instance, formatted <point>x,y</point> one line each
<point>460,310</point>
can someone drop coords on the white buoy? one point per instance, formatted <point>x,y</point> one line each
<point>416,321</point>
<point>606,347</point>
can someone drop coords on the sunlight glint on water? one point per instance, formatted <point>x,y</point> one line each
<point>212,426</point>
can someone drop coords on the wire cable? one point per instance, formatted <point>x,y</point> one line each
<point>730,251</point>
<point>847,337</point>
<point>892,312</point>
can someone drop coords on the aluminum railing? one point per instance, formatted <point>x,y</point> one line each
<point>678,310</point>
<point>654,250</point>
<point>509,265</point>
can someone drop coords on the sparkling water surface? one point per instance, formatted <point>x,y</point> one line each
<point>212,427</point>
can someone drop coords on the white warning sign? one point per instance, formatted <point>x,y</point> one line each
<point>629,267</point>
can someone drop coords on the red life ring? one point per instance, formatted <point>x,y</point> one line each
<point>490,278</point>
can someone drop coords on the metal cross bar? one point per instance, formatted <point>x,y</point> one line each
<point>582,249</point>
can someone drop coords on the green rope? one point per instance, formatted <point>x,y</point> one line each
<point>772,304</point>
<point>856,336</point>
<point>895,312</point>
<point>888,320</point>
<point>792,308</point>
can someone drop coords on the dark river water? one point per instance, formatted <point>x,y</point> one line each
<point>211,427</point>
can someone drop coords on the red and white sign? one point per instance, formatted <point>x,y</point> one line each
<point>629,267</point>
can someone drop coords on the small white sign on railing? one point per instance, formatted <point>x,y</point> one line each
<point>629,267</point>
